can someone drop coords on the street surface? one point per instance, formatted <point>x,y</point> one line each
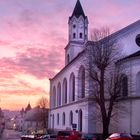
<point>10,135</point>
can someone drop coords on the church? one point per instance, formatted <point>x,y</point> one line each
<point>68,104</point>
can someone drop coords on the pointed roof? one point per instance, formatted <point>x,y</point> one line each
<point>78,10</point>
<point>28,107</point>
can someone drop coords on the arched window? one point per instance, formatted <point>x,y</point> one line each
<point>80,120</point>
<point>54,97</point>
<point>68,58</point>
<point>138,83</point>
<point>57,119</point>
<point>124,85</point>
<point>63,119</point>
<point>81,35</point>
<point>72,87</point>
<point>81,82</point>
<point>53,121</point>
<point>74,35</point>
<point>71,118</point>
<point>59,94</point>
<point>65,91</point>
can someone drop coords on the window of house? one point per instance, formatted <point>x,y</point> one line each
<point>124,86</point>
<point>54,97</point>
<point>71,118</point>
<point>81,35</point>
<point>72,88</point>
<point>68,58</point>
<point>81,82</point>
<point>80,120</point>
<point>74,26</point>
<point>74,35</point>
<point>59,94</point>
<point>57,119</point>
<point>63,119</point>
<point>65,91</point>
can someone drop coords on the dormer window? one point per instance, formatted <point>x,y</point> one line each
<point>81,35</point>
<point>74,35</point>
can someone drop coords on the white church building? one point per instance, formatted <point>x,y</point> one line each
<point>69,97</point>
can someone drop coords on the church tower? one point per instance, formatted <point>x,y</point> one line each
<point>78,33</point>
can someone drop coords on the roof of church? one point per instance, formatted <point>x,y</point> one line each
<point>136,54</point>
<point>78,10</point>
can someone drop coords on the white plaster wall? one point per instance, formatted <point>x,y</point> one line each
<point>74,106</point>
<point>73,50</point>
<point>135,117</point>
<point>67,109</point>
<point>131,122</point>
<point>124,117</point>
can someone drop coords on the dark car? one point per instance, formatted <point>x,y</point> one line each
<point>88,137</point>
<point>120,136</point>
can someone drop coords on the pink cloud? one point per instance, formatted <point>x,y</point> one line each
<point>34,34</point>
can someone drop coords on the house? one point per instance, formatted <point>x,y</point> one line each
<point>35,120</point>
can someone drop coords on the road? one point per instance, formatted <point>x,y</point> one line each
<point>10,135</point>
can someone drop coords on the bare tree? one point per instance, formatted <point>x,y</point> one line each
<point>106,86</point>
<point>43,102</point>
<point>44,105</point>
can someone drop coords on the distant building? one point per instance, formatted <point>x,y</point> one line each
<point>2,121</point>
<point>69,89</point>
<point>34,120</point>
<point>27,108</point>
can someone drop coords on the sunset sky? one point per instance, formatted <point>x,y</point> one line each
<point>33,34</point>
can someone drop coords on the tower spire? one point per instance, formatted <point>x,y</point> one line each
<point>78,10</point>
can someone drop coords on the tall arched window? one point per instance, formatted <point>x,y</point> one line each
<point>65,91</point>
<point>63,119</point>
<point>59,94</point>
<point>124,85</point>
<point>54,97</point>
<point>71,118</point>
<point>81,82</point>
<point>80,120</point>
<point>138,83</point>
<point>72,87</point>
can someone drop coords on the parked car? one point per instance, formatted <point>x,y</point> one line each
<point>28,137</point>
<point>88,137</point>
<point>68,135</point>
<point>120,136</point>
<point>47,137</point>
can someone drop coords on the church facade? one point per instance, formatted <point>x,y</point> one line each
<point>69,89</point>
